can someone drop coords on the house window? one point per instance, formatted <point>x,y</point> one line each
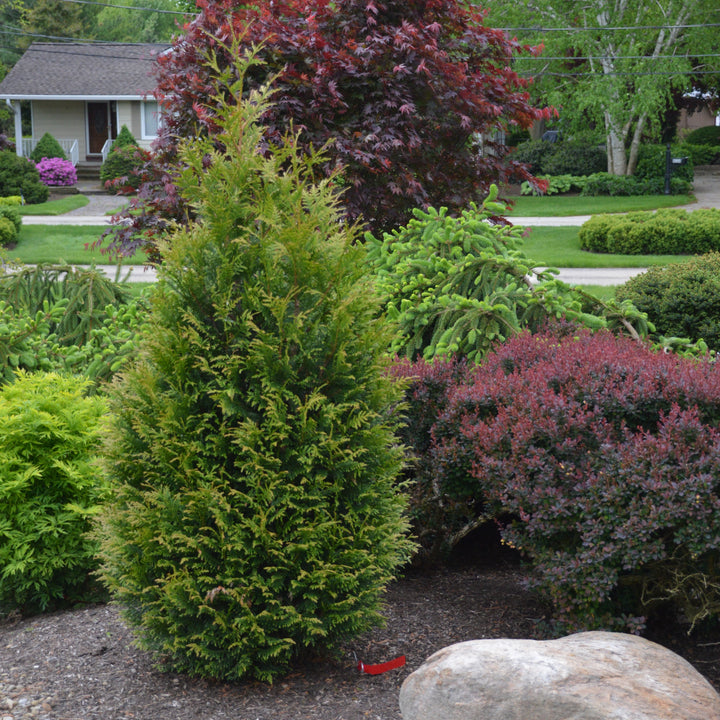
<point>150,119</point>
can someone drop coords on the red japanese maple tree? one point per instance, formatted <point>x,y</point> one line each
<point>402,90</point>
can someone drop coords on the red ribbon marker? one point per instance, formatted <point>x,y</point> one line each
<point>382,667</point>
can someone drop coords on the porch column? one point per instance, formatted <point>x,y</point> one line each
<point>18,127</point>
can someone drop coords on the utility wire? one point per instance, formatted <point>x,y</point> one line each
<point>131,7</point>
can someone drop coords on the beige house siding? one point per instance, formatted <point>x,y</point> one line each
<point>64,120</point>
<point>129,114</point>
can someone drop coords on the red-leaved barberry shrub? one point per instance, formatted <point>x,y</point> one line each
<point>602,460</point>
<point>401,90</point>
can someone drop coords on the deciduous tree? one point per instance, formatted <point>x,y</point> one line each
<point>401,91</point>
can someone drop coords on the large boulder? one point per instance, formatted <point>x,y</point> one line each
<point>587,676</point>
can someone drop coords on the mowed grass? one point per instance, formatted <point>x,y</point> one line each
<point>56,207</point>
<point>565,205</point>
<point>63,244</point>
<point>560,247</point>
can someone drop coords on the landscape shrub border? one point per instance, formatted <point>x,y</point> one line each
<point>669,231</point>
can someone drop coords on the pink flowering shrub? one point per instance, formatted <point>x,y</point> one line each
<point>56,171</point>
<point>600,460</point>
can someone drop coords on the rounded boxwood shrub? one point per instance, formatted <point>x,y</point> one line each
<point>19,176</point>
<point>47,147</point>
<point>50,489</point>
<point>681,300</point>
<point>600,459</point>
<point>665,232</point>
<point>253,452</point>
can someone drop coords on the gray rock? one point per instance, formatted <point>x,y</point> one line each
<point>587,676</point>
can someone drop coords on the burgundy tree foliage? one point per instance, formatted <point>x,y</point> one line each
<point>401,90</point>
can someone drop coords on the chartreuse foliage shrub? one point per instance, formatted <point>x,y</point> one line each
<point>457,285</point>
<point>601,461</point>
<point>47,147</point>
<point>252,453</point>
<point>665,232</point>
<point>681,300</point>
<point>19,176</point>
<point>50,488</point>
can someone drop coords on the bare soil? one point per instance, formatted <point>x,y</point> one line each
<point>81,664</point>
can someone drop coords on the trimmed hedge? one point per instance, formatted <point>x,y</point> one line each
<point>665,232</point>
<point>681,300</point>
<point>561,158</point>
<point>709,135</point>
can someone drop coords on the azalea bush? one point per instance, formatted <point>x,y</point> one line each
<point>56,172</point>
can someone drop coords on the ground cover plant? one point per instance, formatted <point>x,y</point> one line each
<point>401,90</point>
<point>599,460</point>
<point>252,451</point>
<point>49,489</point>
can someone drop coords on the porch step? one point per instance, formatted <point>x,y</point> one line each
<point>88,170</point>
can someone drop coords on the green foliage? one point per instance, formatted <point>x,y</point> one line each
<point>556,185</point>
<point>652,162</point>
<point>47,147</point>
<point>681,300</point>
<point>709,135</point>
<point>625,185</point>
<point>18,176</point>
<point>569,157</point>
<point>459,285</point>
<point>122,165</point>
<point>50,487</point>
<point>665,232</point>
<point>11,200</point>
<point>123,139</point>
<point>87,292</point>
<point>252,451</point>
<point>699,154</point>
<point>8,233</point>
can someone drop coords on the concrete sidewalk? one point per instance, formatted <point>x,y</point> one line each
<point>706,189</point>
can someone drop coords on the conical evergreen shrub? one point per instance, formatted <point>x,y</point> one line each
<point>253,454</point>
<point>47,147</point>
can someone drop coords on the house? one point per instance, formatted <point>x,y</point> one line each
<point>83,93</point>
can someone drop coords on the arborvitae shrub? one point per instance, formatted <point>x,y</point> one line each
<point>47,147</point>
<point>602,459</point>
<point>681,300</point>
<point>50,487</point>
<point>19,176</point>
<point>253,450</point>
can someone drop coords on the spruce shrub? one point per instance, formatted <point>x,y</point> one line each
<point>50,488</point>
<point>681,300</point>
<point>19,176</point>
<point>48,147</point>
<point>124,138</point>
<point>600,460</point>
<point>252,450</point>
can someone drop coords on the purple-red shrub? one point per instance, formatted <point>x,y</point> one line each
<point>56,171</point>
<point>602,460</point>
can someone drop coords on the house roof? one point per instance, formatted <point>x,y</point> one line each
<point>78,71</point>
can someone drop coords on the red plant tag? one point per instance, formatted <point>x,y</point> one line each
<point>382,667</point>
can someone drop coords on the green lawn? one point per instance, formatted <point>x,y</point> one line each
<point>564,205</point>
<point>62,243</point>
<point>560,247</point>
<point>55,207</point>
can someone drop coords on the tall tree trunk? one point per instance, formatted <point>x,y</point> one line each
<point>616,157</point>
<point>635,144</point>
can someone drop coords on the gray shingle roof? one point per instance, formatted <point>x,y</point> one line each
<point>80,70</point>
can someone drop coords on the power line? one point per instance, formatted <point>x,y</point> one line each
<point>130,7</point>
<point>17,32</point>
<point>603,28</point>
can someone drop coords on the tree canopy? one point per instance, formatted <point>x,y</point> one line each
<point>401,93</point>
<point>615,67</point>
